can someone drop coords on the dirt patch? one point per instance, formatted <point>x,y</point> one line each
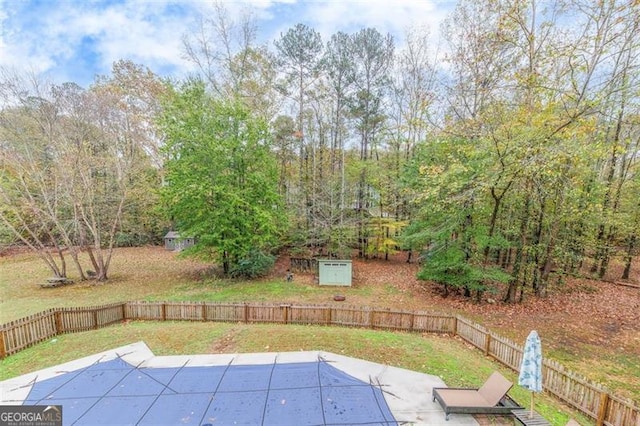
<point>225,344</point>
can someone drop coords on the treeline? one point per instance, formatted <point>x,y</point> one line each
<point>509,154</point>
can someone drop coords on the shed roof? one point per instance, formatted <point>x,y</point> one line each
<point>172,234</point>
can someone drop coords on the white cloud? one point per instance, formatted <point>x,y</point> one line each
<point>394,17</point>
<point>74,40</point>
<point>386,16</point>
<point>92,36</point>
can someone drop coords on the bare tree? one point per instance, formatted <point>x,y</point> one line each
<point>222,48</point>
<point>30,185</point>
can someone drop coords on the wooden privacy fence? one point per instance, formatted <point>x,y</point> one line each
<point>586,396</point>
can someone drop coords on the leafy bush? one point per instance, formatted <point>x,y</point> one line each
<point>449,266</point>
<point>255,264</point>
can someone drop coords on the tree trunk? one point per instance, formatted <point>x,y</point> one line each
<point>225,263</point>
<point>506,255</point>
<point>537,238</point>
<point>467,239</point>
<point>629,257</point>
<point>76,260</point>
<point>601,251</point>
<point>606,252</point>
<point>546,269</point>
<point>492,222</point>
<point>92,258</point>
<point>362,205</point>
<point>632,244</point>
<point>510,296</point>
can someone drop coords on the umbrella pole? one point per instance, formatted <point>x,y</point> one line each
<point>531,413</point>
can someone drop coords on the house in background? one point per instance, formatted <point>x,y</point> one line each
<point>173,241</point>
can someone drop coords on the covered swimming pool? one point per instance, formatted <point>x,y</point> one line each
<point>131,386</point>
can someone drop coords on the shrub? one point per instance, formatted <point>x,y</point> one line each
<point>255,264</point>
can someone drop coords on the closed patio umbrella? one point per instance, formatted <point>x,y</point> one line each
<point>531,368</point>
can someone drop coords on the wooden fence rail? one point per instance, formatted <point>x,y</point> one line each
<point>590,398</point>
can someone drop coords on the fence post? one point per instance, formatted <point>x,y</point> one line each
<point>95,319</point>
<point>204,311</point>
<point>246,313</point>
<point>163,311</point>
<point>285,313</point>
<point>3,352</point>
<point>413,319</point>
<point>455,325</point>
<point>58,321</point>
<point>602,410</point>
<point>487,344</point>
<point>124,311</point>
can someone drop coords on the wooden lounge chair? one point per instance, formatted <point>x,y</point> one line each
<point>491,398</point>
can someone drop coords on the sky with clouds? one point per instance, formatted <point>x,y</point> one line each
<point>74,40</point>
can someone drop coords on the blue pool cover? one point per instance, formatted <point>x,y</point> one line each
<point>307,393</point>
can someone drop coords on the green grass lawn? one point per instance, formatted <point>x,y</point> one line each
<point>150,274</point>
<point>457,363</point>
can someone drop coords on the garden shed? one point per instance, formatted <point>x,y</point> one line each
<point>173,241</point>
<point>334,272</point>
